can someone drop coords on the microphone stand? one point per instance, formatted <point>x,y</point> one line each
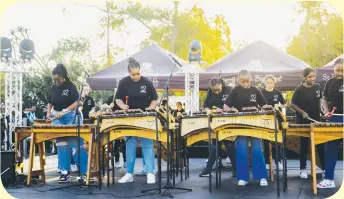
<point>77,116</point>
<point>168,186</point>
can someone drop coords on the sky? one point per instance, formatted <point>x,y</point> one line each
<point>274,23</point>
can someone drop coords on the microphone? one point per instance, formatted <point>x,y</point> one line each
<point>175,60</point>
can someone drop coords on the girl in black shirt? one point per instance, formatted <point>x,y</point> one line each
<point>242,96</point>
<point>272,96</point>
<point>179,111</point>
<point>333,97</point>
<point>62,105</point>
<point>306,102</point>
<point>141,95</point>
<point>215,99</point>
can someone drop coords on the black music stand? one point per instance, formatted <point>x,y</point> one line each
<point>77,116</point>
<point>168,186</point>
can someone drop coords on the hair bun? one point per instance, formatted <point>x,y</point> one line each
<point>132,60</point>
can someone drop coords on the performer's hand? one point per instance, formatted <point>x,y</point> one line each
<point>218,110</point>
<point>267,106</point>
<point>58,115</point>
<point>305,115</point>
<point>112,105</point>
<point>48,116</point>
<point>125,107</point>
<point>209,112</point>
<point>234,110</point>
<point>151,108</point>
<point>179,114</point>
<point>328,115</point>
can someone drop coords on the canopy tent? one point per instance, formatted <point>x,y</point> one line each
<point>326,72</point>
<point>260,59</point>
<point>156,64</point>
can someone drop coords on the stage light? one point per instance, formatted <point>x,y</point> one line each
<point>6,48</point>
<point>195,51</point>
<point>27,49</point>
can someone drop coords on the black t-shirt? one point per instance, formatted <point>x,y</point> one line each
<point>63,96</point>
<point>88,105</point>
<point>140,94</point>
<point>240,97</point>
<point>178,111</point>
<point>307,99</point>
<point>273,97</point>
<point>216,100</point>
<point>333,92</point>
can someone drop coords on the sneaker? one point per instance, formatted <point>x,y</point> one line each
<point>126,178</point>
<point>228,161</point>
<point>242,183</point>
<point>326,184</point>
<point>263,182</point>
<point>280,166</point>
<point>64,178</point>
<point>84,177</point>
<point>141,172</point>
<point>303,174</point>
<point>150,178</point>
<point>74,168</point>
<point>118,165</point>
<point>205,173</point>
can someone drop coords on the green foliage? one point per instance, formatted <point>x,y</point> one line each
<point>321,35</point>
<point>175,30</point>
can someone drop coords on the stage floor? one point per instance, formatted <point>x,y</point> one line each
<point>297,188</point>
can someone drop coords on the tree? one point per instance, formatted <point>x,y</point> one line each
<point>175,30</point>
<point>320,38</point>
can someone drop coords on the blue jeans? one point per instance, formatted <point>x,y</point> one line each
<point>332,149</point>
<point>258,162</point>
<point>147,152</point>
<point>67,144</point>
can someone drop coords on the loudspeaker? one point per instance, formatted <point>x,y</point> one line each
<point>7,161</point>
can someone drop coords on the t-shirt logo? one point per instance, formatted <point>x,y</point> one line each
<point>318,93</point>
<point>89,102</point>
<point>224,97</point>
<point>65,92</point>
<point>275,98</point>
<point>253,98</point>
<point>143,89</point>
<point>341,88</point>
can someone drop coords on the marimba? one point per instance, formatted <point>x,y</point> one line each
<point>133,122</point>
<point>229,125</point>
<point>318,133</point>
<point>42,132</point>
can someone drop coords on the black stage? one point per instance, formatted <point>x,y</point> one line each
<point>297,188</point>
